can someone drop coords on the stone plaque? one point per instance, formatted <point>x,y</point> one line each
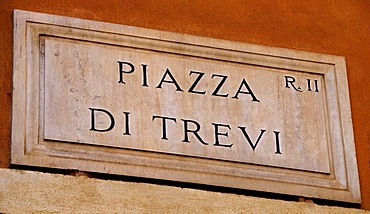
<point>116,99</point>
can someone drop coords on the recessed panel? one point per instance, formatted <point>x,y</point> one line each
<point>162,102</point>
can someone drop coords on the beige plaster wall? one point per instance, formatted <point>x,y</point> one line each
<point>29,191</point>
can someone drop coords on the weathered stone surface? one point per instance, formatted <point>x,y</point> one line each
<point>27,191</point>
<point>271,125</point>
<point>116,99</point>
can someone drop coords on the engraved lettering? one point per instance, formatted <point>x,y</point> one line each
<point>217,134</point>
<point>253,145</point>
<point>195,132</point>
<point>121,70</point>
<point>145,78</point>
<point>112,122</point>
<point>290,80</point>
<point>277,142</point>
<point>164,126</point>
<point>127,123</point>
<point>172,81</point>
<point>249,91</point>
<point>191,89</point>
<point>217,89</point>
